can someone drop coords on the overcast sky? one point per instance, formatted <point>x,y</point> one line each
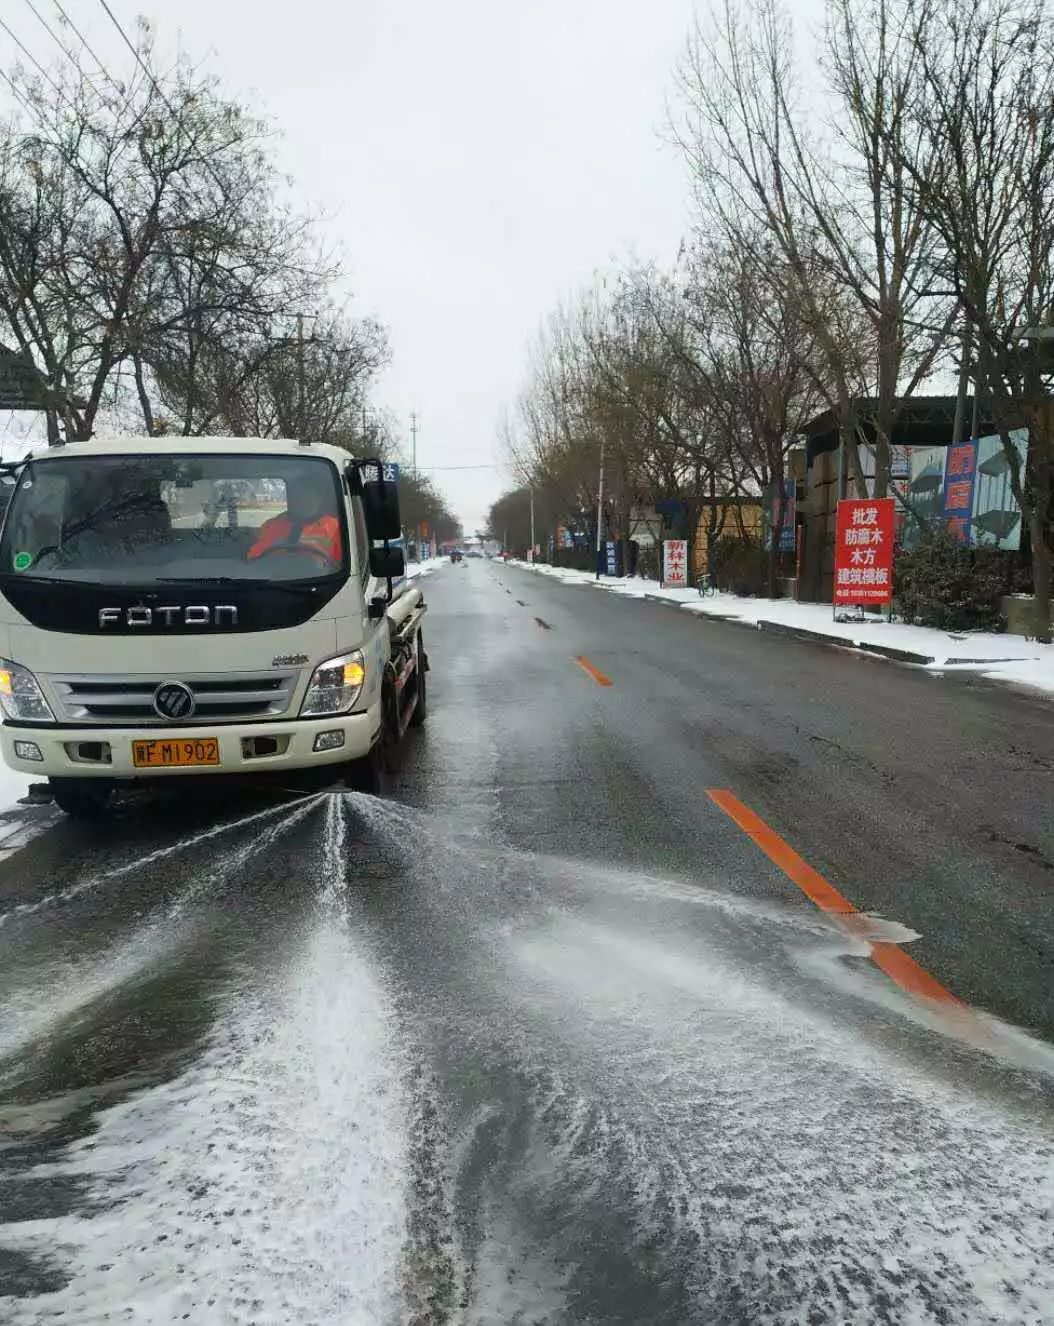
<point>477,159</point>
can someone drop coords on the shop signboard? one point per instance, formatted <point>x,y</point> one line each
<point>863,553</point>
<point>675,563</point>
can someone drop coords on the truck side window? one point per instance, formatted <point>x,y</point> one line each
<point>362,541</point>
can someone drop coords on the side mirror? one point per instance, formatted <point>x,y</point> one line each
<point>380,506</point>
<point>387,563</point>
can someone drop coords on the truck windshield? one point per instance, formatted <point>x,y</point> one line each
<point>164,518</point>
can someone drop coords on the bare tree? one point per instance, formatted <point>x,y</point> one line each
<point>754,349</point>
<point>251,382</point>
<point>147,258</point>
<point>838,210</point>
<point>986,104</point>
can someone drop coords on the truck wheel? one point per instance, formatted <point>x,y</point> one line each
<point>371,774</point>
<point>420,712</point>
<point>83,798</point>
<point>367,775</point>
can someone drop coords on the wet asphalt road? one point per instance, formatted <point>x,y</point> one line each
<point>544,1037</point>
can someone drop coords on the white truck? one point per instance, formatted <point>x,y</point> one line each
<point>175,607</point>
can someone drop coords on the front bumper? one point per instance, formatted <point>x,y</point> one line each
<point>63,757</point>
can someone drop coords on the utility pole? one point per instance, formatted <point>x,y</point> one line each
<point>413,467</point>
<point>600,504</point>
<point>300,375</point>
<point>964,382</point>
<point>531,558</point>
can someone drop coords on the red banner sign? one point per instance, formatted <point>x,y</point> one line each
<point>675,563</point>
<point>863,552</point>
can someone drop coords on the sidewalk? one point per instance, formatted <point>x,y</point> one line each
<point>1009,658</point>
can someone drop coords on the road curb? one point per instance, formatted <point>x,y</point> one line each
<point>897,655</point>
<point>716,616</point>
<point>803,633</point>
<point>820,637</point>
<point>660,598</point>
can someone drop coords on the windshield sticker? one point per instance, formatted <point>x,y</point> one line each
<point>23,561</point>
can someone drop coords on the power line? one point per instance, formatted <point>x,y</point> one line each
<point>137,57</point>
<point>14,88</point>
<point>84,42</point>
<point>50,31</point>
<point>32,59</point>
<point>494,466</point>
<point>157,88</point>
<point>65,49</point>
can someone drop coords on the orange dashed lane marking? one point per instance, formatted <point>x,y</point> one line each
<point>595,673</point>
<point>891,958</point>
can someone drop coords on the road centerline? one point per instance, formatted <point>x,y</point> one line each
<point>899,966</point>
<point>599,677</point>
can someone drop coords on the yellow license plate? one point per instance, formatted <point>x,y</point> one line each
<point>175,754</point>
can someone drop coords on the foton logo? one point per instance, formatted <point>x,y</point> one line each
<point>199,614</point>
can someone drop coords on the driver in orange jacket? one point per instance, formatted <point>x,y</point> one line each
<point>307,525</point>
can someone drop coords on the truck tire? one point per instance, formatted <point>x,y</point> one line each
<point>82,798</point>
<point>420,712</point>
<point>367,775</point>
<point>372,773</point>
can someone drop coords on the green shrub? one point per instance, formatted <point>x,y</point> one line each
<point>940,582</point>
<point>742,566</point>
<point>648,562</point>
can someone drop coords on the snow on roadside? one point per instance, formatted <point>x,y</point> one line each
<point>19,825</point>
<point>430,564</point>
<point>13,786</point>
<point>1009,658</point>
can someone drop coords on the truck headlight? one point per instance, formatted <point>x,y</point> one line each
<point>335,686</point>
<point>20,695</point>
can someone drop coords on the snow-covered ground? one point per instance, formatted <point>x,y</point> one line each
<point>12,786</point>
<point>430,564</point>
<point>1009,658</point>
<point>19,825</point>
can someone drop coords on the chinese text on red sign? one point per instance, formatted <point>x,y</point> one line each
<point>863,556</point>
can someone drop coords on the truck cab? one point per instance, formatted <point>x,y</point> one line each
<point>185,607</point>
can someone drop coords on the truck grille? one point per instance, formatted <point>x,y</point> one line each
<point>240,695</point>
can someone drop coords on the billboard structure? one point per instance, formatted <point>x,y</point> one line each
<point>967,487</point>
<point>863,553</point>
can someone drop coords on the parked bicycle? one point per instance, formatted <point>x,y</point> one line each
<point>707,584</point>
